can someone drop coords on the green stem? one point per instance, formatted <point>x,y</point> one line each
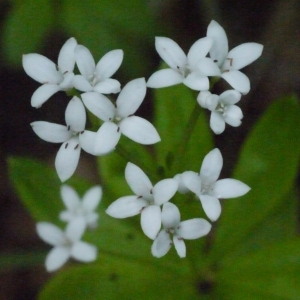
<point>186,135</point>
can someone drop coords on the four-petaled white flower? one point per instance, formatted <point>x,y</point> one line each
<point>54,78</point>
<point>231,62</point>
<point>222,109</point>
<point>147,199</point>
<point>191,69</point>
<point>77,208</point>
<point>206,186</point>
<point>73,136</point>
<point>119,118</point>
<point>66,244</point>
<point>189,230</point>
<point>97,77</point>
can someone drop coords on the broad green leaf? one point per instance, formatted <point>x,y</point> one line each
<point>25,28</point>
<point>116,278</point>
<point>184,130</point>
<point>106,25</point>
<point>38,188</point>
<point>268,163</point>
<point>270,273</point>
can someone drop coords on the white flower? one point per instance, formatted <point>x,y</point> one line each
<point>147,200</point>
<point>66,244</point>
<point>231,62</point>
<point>191,69</point>
<point>77,208</point>
<point>73,136</point>
<point>206,186</point>
<point>119,118</point>
<point>189,230</point>
<point>53,78</point>
<point>97,77</point>
<point>222,109</point>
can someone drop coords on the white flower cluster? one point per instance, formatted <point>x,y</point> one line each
<point>160,219</point>
<point>80,214</point>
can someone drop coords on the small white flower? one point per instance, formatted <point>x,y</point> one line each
<point>189,230</point>
<point>222,109</point>
<point>119,118</point>
<point>147,200</point>
<point>53,78</point>
<point>66,244</point>
<point>191,69</point>
<point>209,190</point>
<point>77,208</point>
<point>73,136</point>
<point>231,62</point>
<point>96,78</point>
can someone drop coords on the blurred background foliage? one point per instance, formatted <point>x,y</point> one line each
<point>253,251</point>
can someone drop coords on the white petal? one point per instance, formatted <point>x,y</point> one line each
<point>70,197</point>
<point>197,82</point>
<point>75,229</point>
<point>164,78</point>
<point>131,97</point>
<point>216,122</point>
<point>67,158</point>
<point>238,81</point>
<point>192,181</point>
<point>108,86</point>
<point>107,138</point>
<point>66,216</point>
<point>56,258</point>
<point>66,57</point>
<point>43,93</point>
<point>50,132</point>
<point>230,188</point>
<point>230,97</point>
<point>211,166</point>
<point>92,198</point>
<point>204,98</point>
<point>211,206</point>
<point>233,115</point>
<point>161,244</point>
<point>171,53</point>
<point>164,190</point>
<point>198,51</point>
<point>193,229</point>
<point>139,130</point>
<point>207,67</point>
<point>219,49</point>
<point>82,84</point>
<point>41,69</point>
<point>67,83</point>
<point>170,215</point>
<point>138,180</point>
<point>99,105</point>
<point>179,246</point>
<point>151,221</point>
<point>75,115</point>
<point>242,56</point>
<point>109,63</point>
<point>50,233</point>
<point>125,207</point>
<point>182,188</point>
<point>84,252</point>
<point>87,141</point>
<point>85,61</point>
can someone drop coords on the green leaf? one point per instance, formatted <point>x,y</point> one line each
<point>115,278</point>
<point>106,25</point>
<point>269,164</point>
<point>271,273</point>
<point>25,28</point>
<point>184,130</point>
